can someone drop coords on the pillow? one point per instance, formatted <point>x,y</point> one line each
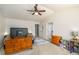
<point>56,39</point>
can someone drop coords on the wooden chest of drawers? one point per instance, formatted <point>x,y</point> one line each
<point>56,39</point>
<point>17,44</point>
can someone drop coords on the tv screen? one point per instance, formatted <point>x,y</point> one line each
<point>18,32</point>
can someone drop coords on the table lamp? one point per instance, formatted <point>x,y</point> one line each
<point>5,34</point>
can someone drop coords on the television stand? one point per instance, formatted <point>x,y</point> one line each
<point>17,44</point>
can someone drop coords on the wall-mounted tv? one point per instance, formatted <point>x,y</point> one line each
<point>14,32</point>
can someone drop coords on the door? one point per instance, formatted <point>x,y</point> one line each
<point>50,29</point>
<point>37,30</point>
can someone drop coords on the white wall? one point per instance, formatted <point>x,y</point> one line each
<point>64,21</point>
<point>21,23</point>
<point>2,28</point>
<point>2,24</point>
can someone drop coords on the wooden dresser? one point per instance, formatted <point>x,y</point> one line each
<point>13,45</point>
<point>56,39</point>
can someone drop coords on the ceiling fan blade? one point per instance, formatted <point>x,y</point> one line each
<point>36,4</point>
<point>33,13</point>
<point>30,10</point>
<point>42,10</point>
<point>39,13</point>
<point>35,7</point>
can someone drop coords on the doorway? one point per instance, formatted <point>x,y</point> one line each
<point>36,30</point>
<point>50,30</point>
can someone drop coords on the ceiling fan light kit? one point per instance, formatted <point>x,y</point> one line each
<point>36,11</point>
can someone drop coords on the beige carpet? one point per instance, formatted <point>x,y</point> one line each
<point>45,49</point>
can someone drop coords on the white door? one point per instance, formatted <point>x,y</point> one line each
<point>50,30</point>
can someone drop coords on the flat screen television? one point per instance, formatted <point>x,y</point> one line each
<point>14,32</point>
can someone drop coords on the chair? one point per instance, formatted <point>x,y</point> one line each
<point>71,46</point>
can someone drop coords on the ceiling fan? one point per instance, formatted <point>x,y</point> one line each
<point>36,11</point>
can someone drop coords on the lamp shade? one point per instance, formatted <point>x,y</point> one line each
<point>74,33</point>
<point>6,33</point>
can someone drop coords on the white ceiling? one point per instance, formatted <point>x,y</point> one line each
<point>18,11</point>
